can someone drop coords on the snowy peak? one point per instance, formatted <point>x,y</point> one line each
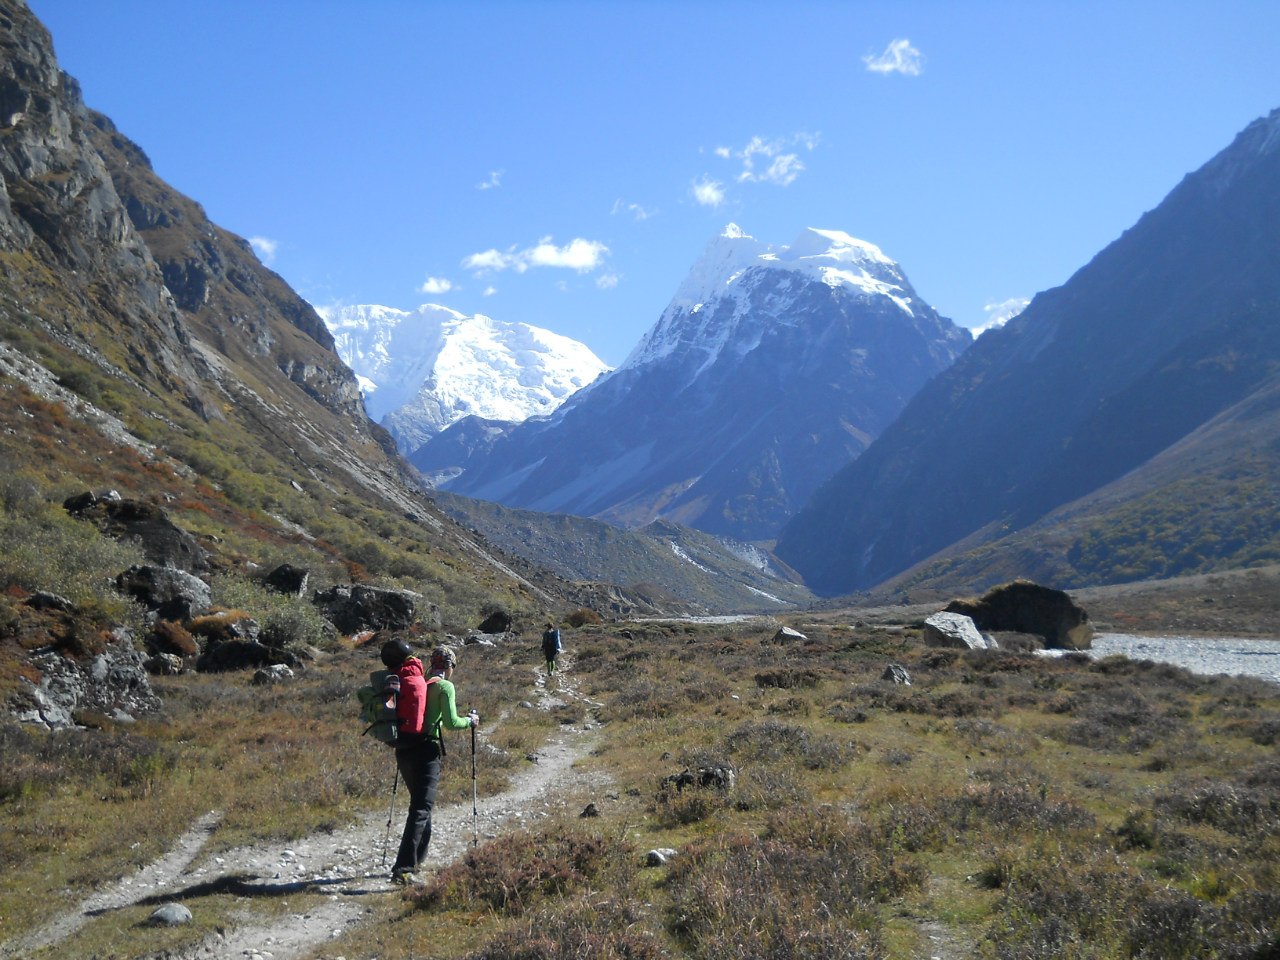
<point>733,263</point>
<point>423,370</point>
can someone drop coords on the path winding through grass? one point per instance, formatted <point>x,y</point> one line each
<point>346,867</point>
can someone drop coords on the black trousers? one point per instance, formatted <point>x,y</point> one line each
<point>419,766</point>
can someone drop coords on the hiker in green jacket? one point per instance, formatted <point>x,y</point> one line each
<point>418,758</point>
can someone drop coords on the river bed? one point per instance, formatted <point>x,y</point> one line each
<point>1232,656</point>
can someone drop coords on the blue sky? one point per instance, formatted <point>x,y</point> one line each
<point>563,162</point>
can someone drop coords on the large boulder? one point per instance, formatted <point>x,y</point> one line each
<point>355,607</point>
<point>113,683</point>
<point>172,593</point>
<point>497,622</point>
<point>1025,607</point>
<point>224,656</point>
<point>954,630</point>
<point>288,579</point>
<point>161,540</point>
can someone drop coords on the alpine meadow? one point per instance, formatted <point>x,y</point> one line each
<point>782,633</point>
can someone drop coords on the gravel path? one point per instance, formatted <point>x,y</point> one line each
<point>345,866</point>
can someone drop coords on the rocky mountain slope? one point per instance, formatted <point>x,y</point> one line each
<point>669,564</point>
<point>771,368</point>
<point>146,350</point>
<point>424,369</point>
<point>1123,427</point>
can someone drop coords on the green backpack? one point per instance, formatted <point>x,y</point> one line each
<point>378,709</point>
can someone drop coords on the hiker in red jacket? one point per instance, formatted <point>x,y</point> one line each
<point>425,705</point>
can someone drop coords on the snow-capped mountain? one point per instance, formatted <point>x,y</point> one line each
<point>425,369</point>
<point>771,368</point>
<point>734,264</point>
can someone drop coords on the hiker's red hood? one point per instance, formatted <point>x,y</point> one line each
<point>412,667</point>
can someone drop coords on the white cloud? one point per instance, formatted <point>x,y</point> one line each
<point>488,260</point>
<point>266,248</point>
<point>494,181</point>
<point>436,285</point>
<point>489,291</point>
<point>899,57</point>
<point>578,254</point>
<point>708,192</point>
<point>607,281</point>
<point>636,211</point>
<point>775,160</point>
<point>998,314</point>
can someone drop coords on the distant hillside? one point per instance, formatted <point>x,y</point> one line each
<point>661,561</point>
<point>1123,427</point>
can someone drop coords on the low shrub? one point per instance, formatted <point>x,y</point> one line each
<point>610,929</point>
<point>772,742</point>
<point>514,873</point>
<point>806,889</point>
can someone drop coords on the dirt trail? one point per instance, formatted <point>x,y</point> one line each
<point>346,866</point>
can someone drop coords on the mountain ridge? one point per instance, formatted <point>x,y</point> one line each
<point>1166,327</point>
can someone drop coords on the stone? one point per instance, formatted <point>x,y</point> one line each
<point>172,593</point>
<point>113,683</point>
<point>497,622</point>
<point>788,635</point>
<point>162,541</point>
<point>169,915</point>
<point>43,600</point>
<point>718,777</point>
<point>164,665</point>
<point>1025,607</point>
<point>590,810</point>
<point>269,676</point>
<point>897,673</point>
<point>955,630</point>
<point>659,857</point>
<point>228,655</point>
<point>355,607</point>
<point>288,579</point>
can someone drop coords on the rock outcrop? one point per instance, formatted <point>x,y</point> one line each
<point>113,684</point>
<point>1025,607</point>
<point>162,541</point>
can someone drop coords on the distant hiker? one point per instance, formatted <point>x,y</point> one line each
<point>551,646</point>
<point>425,705</point>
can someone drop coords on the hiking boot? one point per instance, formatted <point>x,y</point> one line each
<point>405,878</point>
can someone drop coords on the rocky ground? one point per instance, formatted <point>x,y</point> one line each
<point>348,867</point>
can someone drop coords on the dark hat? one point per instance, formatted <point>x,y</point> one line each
<point>395,652</point>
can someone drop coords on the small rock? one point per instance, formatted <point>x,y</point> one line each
<point>787,635</point>
<point>659,857</point>
<point>276,673</point>
<point>590,810</point>
<point>897,673</point>
<point>43,600</point>
<point>170,915</point>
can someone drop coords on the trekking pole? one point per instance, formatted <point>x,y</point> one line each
<point>475,812</point>
<point>395,782</point>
